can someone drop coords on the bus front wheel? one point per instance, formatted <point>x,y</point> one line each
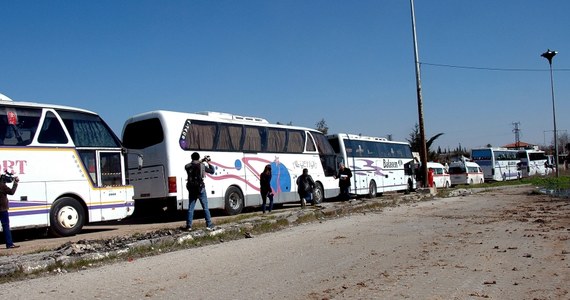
<point>318,194</point>
<point>234,201</point>
<point>67,217</point>
<point>372,189</point>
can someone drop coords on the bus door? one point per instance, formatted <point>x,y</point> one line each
<point>104,168</point>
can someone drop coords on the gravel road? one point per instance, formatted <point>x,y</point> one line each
<point>503,244</point>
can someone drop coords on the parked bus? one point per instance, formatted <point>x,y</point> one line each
<point>441,177</point>
<point>239,148</point>
<point>465,172</point>
<point>70,163</point>
<point>377,165</point>
<point>498,164</point>
<point>533,162</point>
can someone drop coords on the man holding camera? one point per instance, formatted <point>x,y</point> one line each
<point>196,171</point>
<point>4,216</point>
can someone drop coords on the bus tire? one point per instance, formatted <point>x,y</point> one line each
<point>372,189</point>
<point>67,217</point>
<point>470,181</point>
<point>233,201</point>
<point>318,194</point>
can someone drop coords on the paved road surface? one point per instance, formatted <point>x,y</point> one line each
<point>497,245</point>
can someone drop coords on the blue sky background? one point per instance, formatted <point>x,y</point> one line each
<point>350,63</point>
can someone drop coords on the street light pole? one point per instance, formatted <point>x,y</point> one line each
<point>549,54</point>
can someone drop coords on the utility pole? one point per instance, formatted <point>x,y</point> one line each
<point>423,148</point>
<point>516,130</point>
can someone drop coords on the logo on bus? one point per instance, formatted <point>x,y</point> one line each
<point>302,164</point>
<point>388,164</point>
<point>14,166</point>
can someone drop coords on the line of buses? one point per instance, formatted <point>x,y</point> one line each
<point>74,170</point>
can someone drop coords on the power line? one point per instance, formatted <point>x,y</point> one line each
<point>493,69</point>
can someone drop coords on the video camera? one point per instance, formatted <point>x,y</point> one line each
<point>206,158</point>
<point>7,177</point>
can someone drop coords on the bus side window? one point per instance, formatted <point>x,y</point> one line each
<point>52,131</point>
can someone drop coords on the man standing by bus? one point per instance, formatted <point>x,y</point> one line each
<point>196,171</point>
<point>4,216</point>
<point>344,174</point>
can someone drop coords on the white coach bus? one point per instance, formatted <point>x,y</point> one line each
<point>377,165</point>
<point>239,148</point>
<point>498,164</point>
<point>533,162</point>
<point>70,164</point>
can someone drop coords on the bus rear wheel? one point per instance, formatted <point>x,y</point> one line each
<point>233,201</point>
<point>67,217</point>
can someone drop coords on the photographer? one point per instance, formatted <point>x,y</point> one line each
<point>4,205</point>
<point>196,171</point>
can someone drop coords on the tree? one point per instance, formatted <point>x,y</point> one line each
<point>415,142</point>
<point>322,126</point>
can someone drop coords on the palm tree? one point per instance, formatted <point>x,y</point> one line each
<point>415,142</point>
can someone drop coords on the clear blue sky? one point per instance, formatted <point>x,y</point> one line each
<point>348,62</point>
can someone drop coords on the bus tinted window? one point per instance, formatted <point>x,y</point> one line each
<point>18,125</point>
<point>323,144</point>
<point>201,136</point>
<point>229,137</point>
<point>52,131</point>
<point>311,144</point>
<point>537,156</point>
<point>276,139</point>
<point>140,135</point>
<point>89,130</point>
<point>483,154</point>
<point>253,139</point>
<point>296,141</point>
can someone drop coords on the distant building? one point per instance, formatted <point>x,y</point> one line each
<point>521,145</point>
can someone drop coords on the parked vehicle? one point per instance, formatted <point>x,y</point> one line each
<point>377,165</point>
<point>498,164</point>
<point>465,172</point>
<point>70,165</point>
<point>441,177</point>
<point>240,147</point>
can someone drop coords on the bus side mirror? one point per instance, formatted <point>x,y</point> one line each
<point>139,161</point>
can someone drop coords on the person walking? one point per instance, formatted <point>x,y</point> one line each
<point>4,206</point>
<point>265,188</point>
<point>305,186</point>
<point>196,171</point>
<point>344,174</point>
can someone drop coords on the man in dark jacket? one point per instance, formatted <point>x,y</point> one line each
<point>305,186</point>
<point>4,205</point>
<point>198,169</point>
<point>344,175</point>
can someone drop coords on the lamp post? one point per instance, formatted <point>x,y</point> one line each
<point>549,54</point>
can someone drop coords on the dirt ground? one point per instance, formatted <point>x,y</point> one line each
<point>503,244</point>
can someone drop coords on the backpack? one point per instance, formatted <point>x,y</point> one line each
<point>195,180</point>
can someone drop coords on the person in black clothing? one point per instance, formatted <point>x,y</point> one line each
<point>201,167</point>
<point>265,188</point>
<point>305,186</point>
<point>4,206</point>
<point>344,174</point>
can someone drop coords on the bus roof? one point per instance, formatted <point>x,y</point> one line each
<point>364,138</point>
<point>9,102</point>
<point>210,116</point>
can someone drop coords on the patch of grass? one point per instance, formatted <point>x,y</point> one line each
<point>551,182</point>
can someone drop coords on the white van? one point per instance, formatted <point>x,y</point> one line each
<point>466,172</point>
<point>441,178</point>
